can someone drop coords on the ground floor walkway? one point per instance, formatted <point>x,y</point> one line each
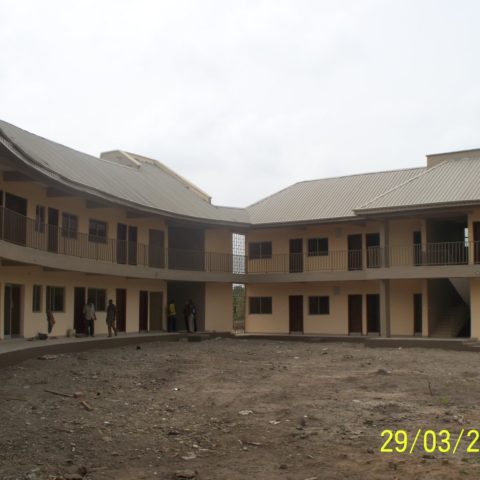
<point>14,351</point>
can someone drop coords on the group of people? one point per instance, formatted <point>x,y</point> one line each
<point>189,316</point>
<point>89,316</point>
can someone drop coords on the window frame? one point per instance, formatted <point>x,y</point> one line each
<point>51,291</point>
<point>260,305</point>
<point>93,295</point>
<point>95,237</point>
<point>317,250</point>
<point>37,298</point>
<point>67,230</point>
<point>315,306</point>
<point>40,212</point>
<point>260,250</point>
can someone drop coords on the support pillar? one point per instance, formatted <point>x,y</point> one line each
<point>384,308</point>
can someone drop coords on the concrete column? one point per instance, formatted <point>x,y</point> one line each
<point>475,307</point>
<point>384,308</point>
<point>385,242</point>
<point>425,309</point>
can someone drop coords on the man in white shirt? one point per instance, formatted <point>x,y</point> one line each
<point>89,315</point>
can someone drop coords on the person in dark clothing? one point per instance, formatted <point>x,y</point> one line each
<point>111,318</point>
<point>50,321</point>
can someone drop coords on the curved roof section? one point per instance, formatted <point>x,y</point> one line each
<point>451,182</point>
<point>146,186</point>
<point>327,199</point>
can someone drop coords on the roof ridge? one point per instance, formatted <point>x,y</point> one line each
<point>400,185</point>
<point>335,178</point>
<point>362,174</point>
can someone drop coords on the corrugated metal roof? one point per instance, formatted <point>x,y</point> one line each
<point>451,182</point>
<point>146,186</point>
<point>326,199</point>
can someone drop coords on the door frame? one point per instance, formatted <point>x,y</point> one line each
<point>295,250</point>
<point>291,320</point>
<point>351,298</point>
<point>20,306</point>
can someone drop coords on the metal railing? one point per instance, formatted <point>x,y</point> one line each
<point>21,230</point>
<point>429,254</point>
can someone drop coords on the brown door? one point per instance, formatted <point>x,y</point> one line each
<point>373,250</point>
<point>156,248</point>
<point>156,311</point>
<point>121,243</point>
<point>12,310</point>
<point>417,313</point>
<point>296,255</point>
<point>355,252</point>
<point>79,301</point>
<point>52,230</point>
<point>132,245</point>
<point>295,303</point>
<point>417,248</point>
<point>143,311</point>
<point>121,303</point>
<point>355,314</point>
<point>373,313</point>
<point>476,241</point>
<point>15,219</point>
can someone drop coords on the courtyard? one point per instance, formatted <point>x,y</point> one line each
<point>238,409</point>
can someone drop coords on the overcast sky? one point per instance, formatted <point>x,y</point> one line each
<point>246,97</point>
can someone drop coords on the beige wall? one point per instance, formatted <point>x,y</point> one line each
<point>336,323</point>
<point>401,240</point>
<point>32,323</point>
<point>218,307</point>
<point>218,249</point>
<point>36,194</point>
<point>401,305</point>
<point>337,235</point>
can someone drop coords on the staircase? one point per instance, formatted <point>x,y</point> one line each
<point>462,286</point>
<point>452,322</point>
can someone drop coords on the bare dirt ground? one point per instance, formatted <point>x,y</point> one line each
<point>236,409</point>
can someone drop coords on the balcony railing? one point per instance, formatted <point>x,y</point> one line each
<point>21,230</point>
<point>430,254</point>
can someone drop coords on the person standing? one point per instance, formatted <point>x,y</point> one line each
<point>111,318</point>
<point>171,318</point>
<point>192,312</point>
<point>50,321</point>
<point>90,317</point>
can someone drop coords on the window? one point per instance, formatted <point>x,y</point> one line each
<point>99,298</point>
<point>69,225</point>
<point>97,231</point>
<point>260,305</point>
<point>318,305</point>
<point>317,247</point>
<point>40,219</point>
<point>260,250</point>
<point>56,299</point>
<point>37,298</point>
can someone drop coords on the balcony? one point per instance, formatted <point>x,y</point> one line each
<point>373,262</point>
<point>425,255</point>
<point>20,230</point>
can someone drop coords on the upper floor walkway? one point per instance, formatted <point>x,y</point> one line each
<point>27,240</point>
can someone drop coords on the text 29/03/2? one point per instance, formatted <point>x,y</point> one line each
<point>430,441</point>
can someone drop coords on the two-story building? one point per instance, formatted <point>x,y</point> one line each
<point>391,253</point>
